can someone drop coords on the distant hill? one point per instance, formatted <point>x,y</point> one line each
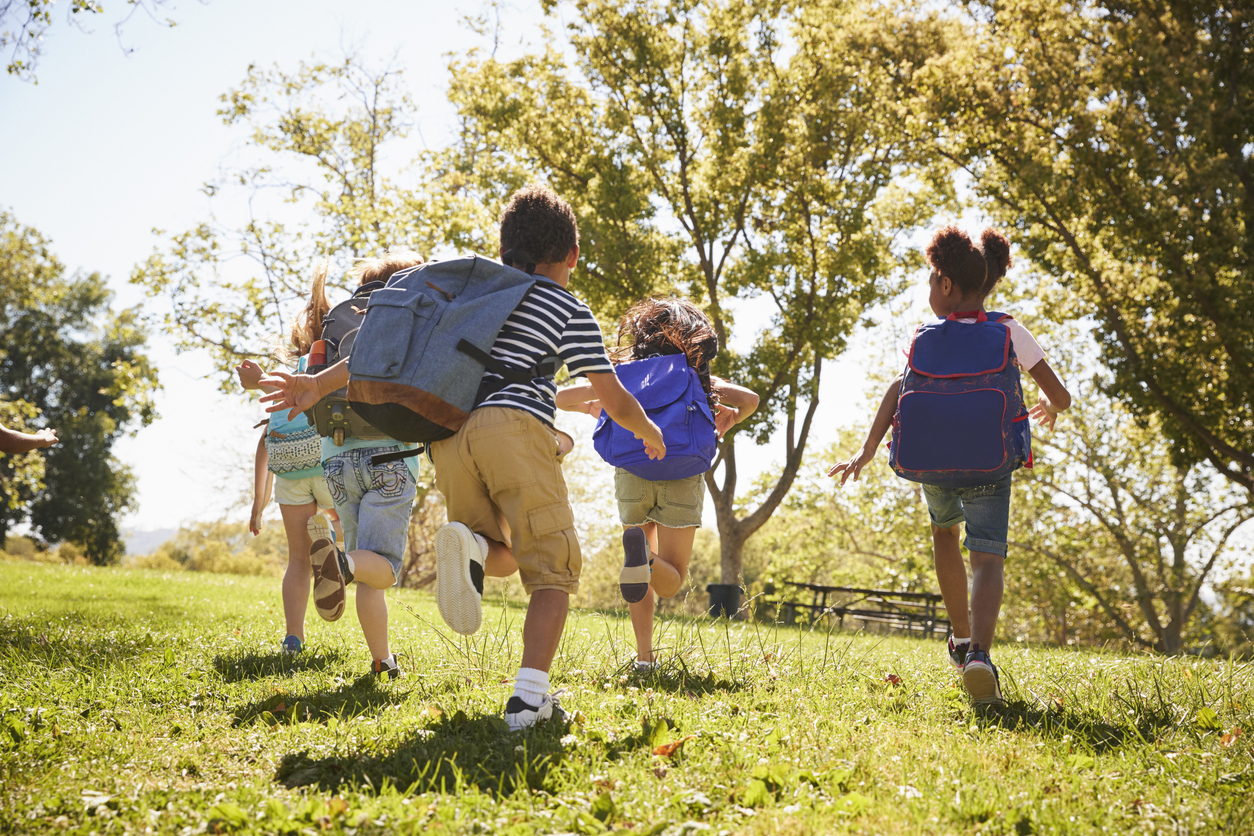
<point>145,542</point>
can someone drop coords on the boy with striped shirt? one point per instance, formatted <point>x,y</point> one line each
<point>500,477</point>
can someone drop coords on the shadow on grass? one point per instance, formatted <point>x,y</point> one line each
<point>365,695</point>
<point>252,665</point>
<point>675,677</point>
<point>1094,731</point>
<point>72,640</point>
<point>452,753</point>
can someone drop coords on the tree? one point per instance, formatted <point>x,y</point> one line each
<point>24,23</point>
<point>79,366</point>
<point>748,155</point>
<point>1137,533</point>
<point>1116,138</point>
<point>323,134</point>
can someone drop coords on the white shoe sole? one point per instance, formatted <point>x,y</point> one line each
<point>455,592</point>
<point>981,684</point>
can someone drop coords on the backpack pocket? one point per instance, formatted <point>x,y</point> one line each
<point>943,431</point>
<point>396,323</point>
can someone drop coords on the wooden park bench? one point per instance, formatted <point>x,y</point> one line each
<point>914,612</point>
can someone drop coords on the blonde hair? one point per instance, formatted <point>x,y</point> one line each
<point>307,326</point>
<point>381,268</point>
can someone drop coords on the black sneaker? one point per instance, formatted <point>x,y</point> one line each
<point>958,652</point>
<point>633,580</point>
<point>390,666</point>
<point>981,679</point>
<point>521,716</point>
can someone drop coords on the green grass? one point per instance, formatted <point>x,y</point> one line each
<point>138,702</point>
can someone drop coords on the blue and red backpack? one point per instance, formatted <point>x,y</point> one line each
<point>672,396</point>
<point>961,419</point>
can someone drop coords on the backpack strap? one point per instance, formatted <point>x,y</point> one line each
<point>548,367</point>
<point>397,455</point>
<point>519,260</point>
<point>978,316</point>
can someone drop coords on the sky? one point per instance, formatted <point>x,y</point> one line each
<point>109,145</point>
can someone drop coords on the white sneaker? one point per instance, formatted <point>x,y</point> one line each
<point>521,716</point>
<point>459,578</point>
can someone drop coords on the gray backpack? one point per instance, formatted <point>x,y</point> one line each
<point>334,416</point>
<point>417,366</point>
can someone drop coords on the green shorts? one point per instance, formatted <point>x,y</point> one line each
<point>675,503</point>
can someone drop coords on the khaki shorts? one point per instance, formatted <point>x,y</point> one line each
<point>302,491</point>
<point>674,503</point>
<point>500,476</point>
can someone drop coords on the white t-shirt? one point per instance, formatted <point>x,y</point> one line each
<point>1028,351</point>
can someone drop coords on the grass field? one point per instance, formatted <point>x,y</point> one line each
<point>139,702</point>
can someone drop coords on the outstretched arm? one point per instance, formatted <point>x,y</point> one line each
<point>299,392</point>
<point>12,441</point>
<point>579,399</point>
<point>874,437</point>
<point>627,412</point>
<point>735,404</point>
<point>1054,396</point>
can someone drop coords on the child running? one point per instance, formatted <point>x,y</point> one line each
<point>960,279</point>
<point>661,518</point>
<point>372,500</point>
<point>300,488</point>
<point>507,500</point>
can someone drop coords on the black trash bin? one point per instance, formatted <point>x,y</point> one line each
<point>724,599</point>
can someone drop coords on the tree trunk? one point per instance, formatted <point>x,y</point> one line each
<point>731,548</point>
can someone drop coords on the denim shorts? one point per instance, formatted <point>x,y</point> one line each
<point>985,509</point>
<point>374,502</point>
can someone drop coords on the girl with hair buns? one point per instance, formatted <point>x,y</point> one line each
<point>661,518</point>
<point>962,275</point>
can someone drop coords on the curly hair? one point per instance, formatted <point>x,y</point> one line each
<point>996,255</point>
<point>956,257</point>
<point>539,223</point>
<point>657,326</point>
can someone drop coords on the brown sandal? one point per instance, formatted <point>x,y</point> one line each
<point>329,591</point>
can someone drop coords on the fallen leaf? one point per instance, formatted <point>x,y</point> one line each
<point>1231,737</point>
<point>659,771</point>
<point>667,750</point>
<point>280,708</point>
<point>1187,674</point>
<point>337,806</point>
<point>892,679</point>
<point>1058,703</point>
<point>433,711</point>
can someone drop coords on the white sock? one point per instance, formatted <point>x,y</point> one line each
<point>958,641</point>
<point>483,545</point>
<point>352,564</point>
<point>530,685</point>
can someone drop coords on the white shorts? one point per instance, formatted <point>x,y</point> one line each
<point>302,491</point>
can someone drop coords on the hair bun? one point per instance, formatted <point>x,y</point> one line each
<point>996,249</point>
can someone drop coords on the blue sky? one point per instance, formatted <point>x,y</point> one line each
<point>108,146</point>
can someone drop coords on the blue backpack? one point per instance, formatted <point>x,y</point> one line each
<point>961,420</point>
<point>671,394</point>
<point>417,365</point>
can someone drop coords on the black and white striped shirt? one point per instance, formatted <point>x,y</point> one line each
<point>548,322</point>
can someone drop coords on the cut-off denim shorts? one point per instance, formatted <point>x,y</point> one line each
<point>985,509</point>
<point>373,501</point>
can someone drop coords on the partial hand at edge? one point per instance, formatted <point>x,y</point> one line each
<point>852,467</point>
<point>293,392</point>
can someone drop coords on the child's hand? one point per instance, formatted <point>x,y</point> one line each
<point>594,409</point>
<point>45,437</point>
<point>250,374</point>
<point>727,417</point>
<point>254,521</point>
<point>1044,412</point>
<point>293,392</point>
<point>654,446</point>
<point>853,466</point>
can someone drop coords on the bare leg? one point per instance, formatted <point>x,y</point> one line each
<point>951,576</point>
<point>986,590</point>
<point>673,550</point>
<point>299,574</point>
<point>500,562</point>
<point>373,574</point>
<point>542,630</point>
<point>642,626</point>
